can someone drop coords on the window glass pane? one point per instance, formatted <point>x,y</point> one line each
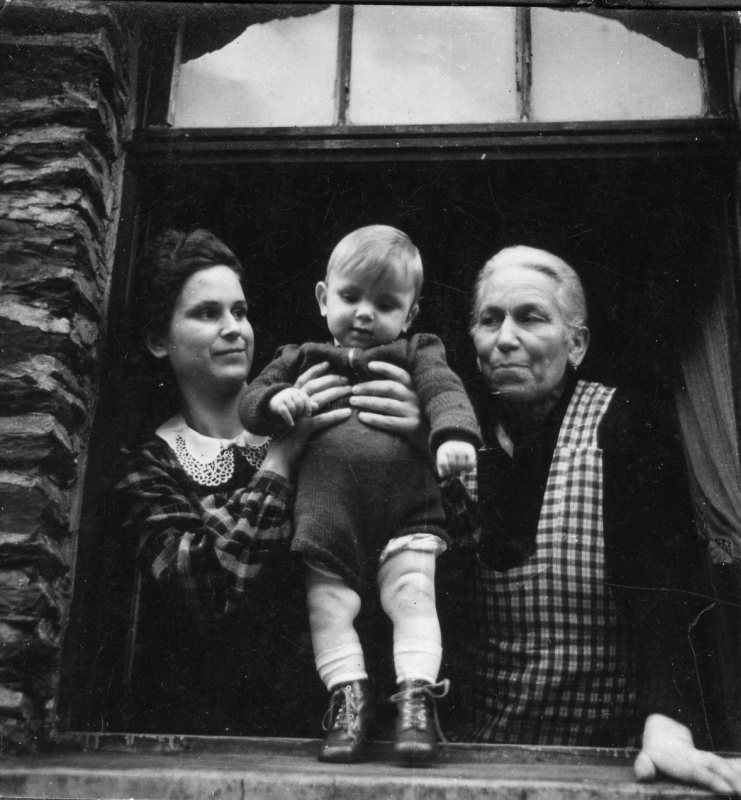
<point>428,64</point>
<point>278,73</point>
<point>588,67</point>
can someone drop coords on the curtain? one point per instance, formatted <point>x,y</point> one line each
<point>707,414</point>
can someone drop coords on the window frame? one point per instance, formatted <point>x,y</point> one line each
<point>714,136</point>
<point>717,128</point>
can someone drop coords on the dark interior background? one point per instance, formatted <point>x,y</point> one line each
<point>648,237</point>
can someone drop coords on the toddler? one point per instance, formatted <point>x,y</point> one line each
<point>367,502</point>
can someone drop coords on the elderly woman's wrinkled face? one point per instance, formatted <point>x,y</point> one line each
<point>522,340</point>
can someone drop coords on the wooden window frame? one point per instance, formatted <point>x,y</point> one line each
<point>714,133</point>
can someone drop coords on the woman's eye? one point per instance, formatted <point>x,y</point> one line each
<point>239,313</point>
<point>490,320</point>
<point>532,319</point>
<point>206,313</point>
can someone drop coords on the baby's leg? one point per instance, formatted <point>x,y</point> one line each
<point>333,607</point>
<point>407,585</point>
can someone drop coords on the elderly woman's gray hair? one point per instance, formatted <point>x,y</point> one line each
<point>569,295</point>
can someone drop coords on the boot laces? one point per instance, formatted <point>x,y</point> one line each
<point>343,711</point>
<point>414,707</point>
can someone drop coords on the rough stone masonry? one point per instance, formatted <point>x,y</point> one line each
<point>65,111</point>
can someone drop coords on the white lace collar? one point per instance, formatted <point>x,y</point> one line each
<point>203,448</point>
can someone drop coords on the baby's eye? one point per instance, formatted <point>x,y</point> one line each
<point>348,297</point>
<point>386,306</point>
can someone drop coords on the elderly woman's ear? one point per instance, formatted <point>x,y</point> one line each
<point>578,345</point>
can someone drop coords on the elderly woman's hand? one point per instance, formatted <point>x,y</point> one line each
<point>668,751</point>
<point>389,403</point>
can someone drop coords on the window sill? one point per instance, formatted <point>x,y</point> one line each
<point>139,767</point>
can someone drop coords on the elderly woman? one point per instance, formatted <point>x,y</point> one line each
<point>574,617</point>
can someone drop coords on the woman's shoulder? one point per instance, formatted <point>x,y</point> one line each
<point>148,457</point>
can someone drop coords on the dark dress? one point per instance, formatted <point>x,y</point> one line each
<point>222,636</point>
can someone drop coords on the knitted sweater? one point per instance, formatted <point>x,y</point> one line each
<point>442,398</point>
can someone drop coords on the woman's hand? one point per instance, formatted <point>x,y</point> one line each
<point>323,388</point>
<point>668,751</point>
<point>389,403</point>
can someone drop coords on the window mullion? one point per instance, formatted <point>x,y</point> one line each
<point>523,56</point>
<point>344,63</point>
<point>174,83</point>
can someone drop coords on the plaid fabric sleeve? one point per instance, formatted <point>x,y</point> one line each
<point>204,555</point>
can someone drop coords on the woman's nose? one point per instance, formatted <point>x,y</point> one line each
<point>507,334</point>
<point>230,326</point>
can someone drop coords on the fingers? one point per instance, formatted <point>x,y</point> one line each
<point>321,384</point>
<point>329,395</point>
<point>718,773</point>
<point>386,388</point>
<point>291,405</point>
<point>326,420</point>
<point>454,457</point>
<point>379,405</point>
<point>285,414</point>
<point>386,422</point>
<point>644,768</point>
<point>391,372</point>
<point>313,372</point>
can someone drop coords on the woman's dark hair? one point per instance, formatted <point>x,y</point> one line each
<point>168,262</point>
<point>146,386</point>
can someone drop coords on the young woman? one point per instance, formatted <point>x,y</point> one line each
<point>223,644</point>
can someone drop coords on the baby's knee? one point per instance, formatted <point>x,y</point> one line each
<point>332,599</point>
<point>410,590</point>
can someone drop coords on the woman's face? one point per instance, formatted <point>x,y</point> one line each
<point>210,342</point>
<point>522,341</point>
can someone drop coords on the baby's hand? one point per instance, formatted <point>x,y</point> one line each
<point>291,405</point>
<point>454,457</point>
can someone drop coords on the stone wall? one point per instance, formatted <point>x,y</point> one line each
<point>65,109</point>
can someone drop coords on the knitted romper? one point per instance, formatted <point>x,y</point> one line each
<point>358,487</point>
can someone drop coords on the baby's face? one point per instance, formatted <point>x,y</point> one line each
<point>364,313</point>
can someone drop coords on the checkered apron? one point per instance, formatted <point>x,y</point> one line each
<point>555,666</point>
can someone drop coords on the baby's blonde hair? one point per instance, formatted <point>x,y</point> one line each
<point>377,249</point>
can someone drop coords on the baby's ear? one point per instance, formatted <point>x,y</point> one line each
<point>413,311</point>
<point>156,343</point>
<point>321,297</point>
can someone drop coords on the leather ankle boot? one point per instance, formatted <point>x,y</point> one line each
<point>417,726</point>
<point>347,722</point>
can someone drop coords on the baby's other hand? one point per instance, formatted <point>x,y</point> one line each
<point>292,405</point>
<point>454,457</point>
